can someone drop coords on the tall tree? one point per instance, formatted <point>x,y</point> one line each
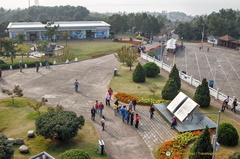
<point>127,55</point>
<point>170,90</point>
<point>20,38</point>
<point>174,74</point>
<point>8,48</point>
<point>23,49</point>
<point>65,36</point>
<point>202,147</point>
<point>51,29</point>
<point>202,94</point>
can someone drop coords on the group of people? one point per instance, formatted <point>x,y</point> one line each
<point>225,105</point>
<point>36,65</point>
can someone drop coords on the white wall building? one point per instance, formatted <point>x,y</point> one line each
<point>77,29</point>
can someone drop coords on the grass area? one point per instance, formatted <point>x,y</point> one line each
<point>125,36</point>
<point>17,126</point>
<point>124,83</point>
<point>83,49</point>
<point>18,59</point>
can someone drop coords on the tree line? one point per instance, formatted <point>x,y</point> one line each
<point>221,23</point>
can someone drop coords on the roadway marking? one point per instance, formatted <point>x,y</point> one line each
<point>209,65</point>
<point>233,68</point>
<point>198,67</point>
<point>225,76</point>
<point>185,54</point>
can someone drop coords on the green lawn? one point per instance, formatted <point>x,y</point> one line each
<point>124,83</point>
<point>84,49</point>
<point>17,120</point>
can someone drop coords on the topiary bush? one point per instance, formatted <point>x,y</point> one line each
<point>227,135</point>
<point>202,94</point>
<point>170,90</point>
<point>74,154</point>
<point>174,74</point>
<point>151,69</point>
<point>139,74</point>
<point>6,148</point>
<point>59,125</point>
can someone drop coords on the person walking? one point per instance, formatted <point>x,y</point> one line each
<point>20,66</point>
<point>130,107</point>
<point>134,102</point>
<point>108,99</point>
<point>47,63</point>
<point>226,101</point>
<point>132,118</point>
<point>116,103</point>
<point>93,112</point>
<point>234,105</point>
<point>101,107</point>
<point>96,106</point>
<point>123,112</point>
<point>137,119</point>
<point>151,110</point>
<point>37,66</point>
<point>103,123</point>
<point>115,107</point>
<point>76,83</point>
<point>128,116</point>
<point>223,106</point>
<point>110,92</point>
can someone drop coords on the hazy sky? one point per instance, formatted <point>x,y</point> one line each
<point>190,7</point>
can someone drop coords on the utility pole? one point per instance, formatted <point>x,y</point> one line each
<point>202,34</point>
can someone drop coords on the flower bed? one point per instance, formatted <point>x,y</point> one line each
<point>123,97</point>
<point>128,41</point>
<point>176,147</point>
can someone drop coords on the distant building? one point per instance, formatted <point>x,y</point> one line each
<point>212,39</point>
<point>76,29</point>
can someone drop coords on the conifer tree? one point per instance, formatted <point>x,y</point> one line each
<point>139,74</point>
<point>170,90</point>
<point>174,74</point>
<point>202,94</point>
<point>202,147</point>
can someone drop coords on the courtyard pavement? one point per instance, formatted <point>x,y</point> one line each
<point>57,85</point>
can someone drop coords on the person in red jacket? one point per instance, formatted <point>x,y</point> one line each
<point>137,118</point>
<point>174,122</point>
<point>101,107</point>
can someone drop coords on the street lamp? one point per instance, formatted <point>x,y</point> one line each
<point>202,34</point>
<point>215,137</point>
<point>133,29</point>
<point>162,54</point>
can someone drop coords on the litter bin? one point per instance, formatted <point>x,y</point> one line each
<point>115,72</point>
<point>101,146</point>
<point>211,83</point>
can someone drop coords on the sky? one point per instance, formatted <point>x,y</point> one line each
<point>190,7</point>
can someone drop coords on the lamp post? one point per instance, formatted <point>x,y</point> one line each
<point>133,29</point>
<point>202,34</point>
<point>216,136</point>
<point>162,54</point>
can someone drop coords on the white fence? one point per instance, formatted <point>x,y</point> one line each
<point>189,79</point>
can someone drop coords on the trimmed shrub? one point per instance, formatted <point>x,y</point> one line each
<point>170,90</point>
<point>202,94</point>
<point>6,148</point>
<point>2,62</point>
<point>202,145</point>
<point>151,69</point>
<point>139,74</point>
<point>59,125</point>
<point>228,135</point>
<point>75,154</point>
<point>174,74</point>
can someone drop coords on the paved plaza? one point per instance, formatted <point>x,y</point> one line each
<point>56,84</point>
<point>219,63</point>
